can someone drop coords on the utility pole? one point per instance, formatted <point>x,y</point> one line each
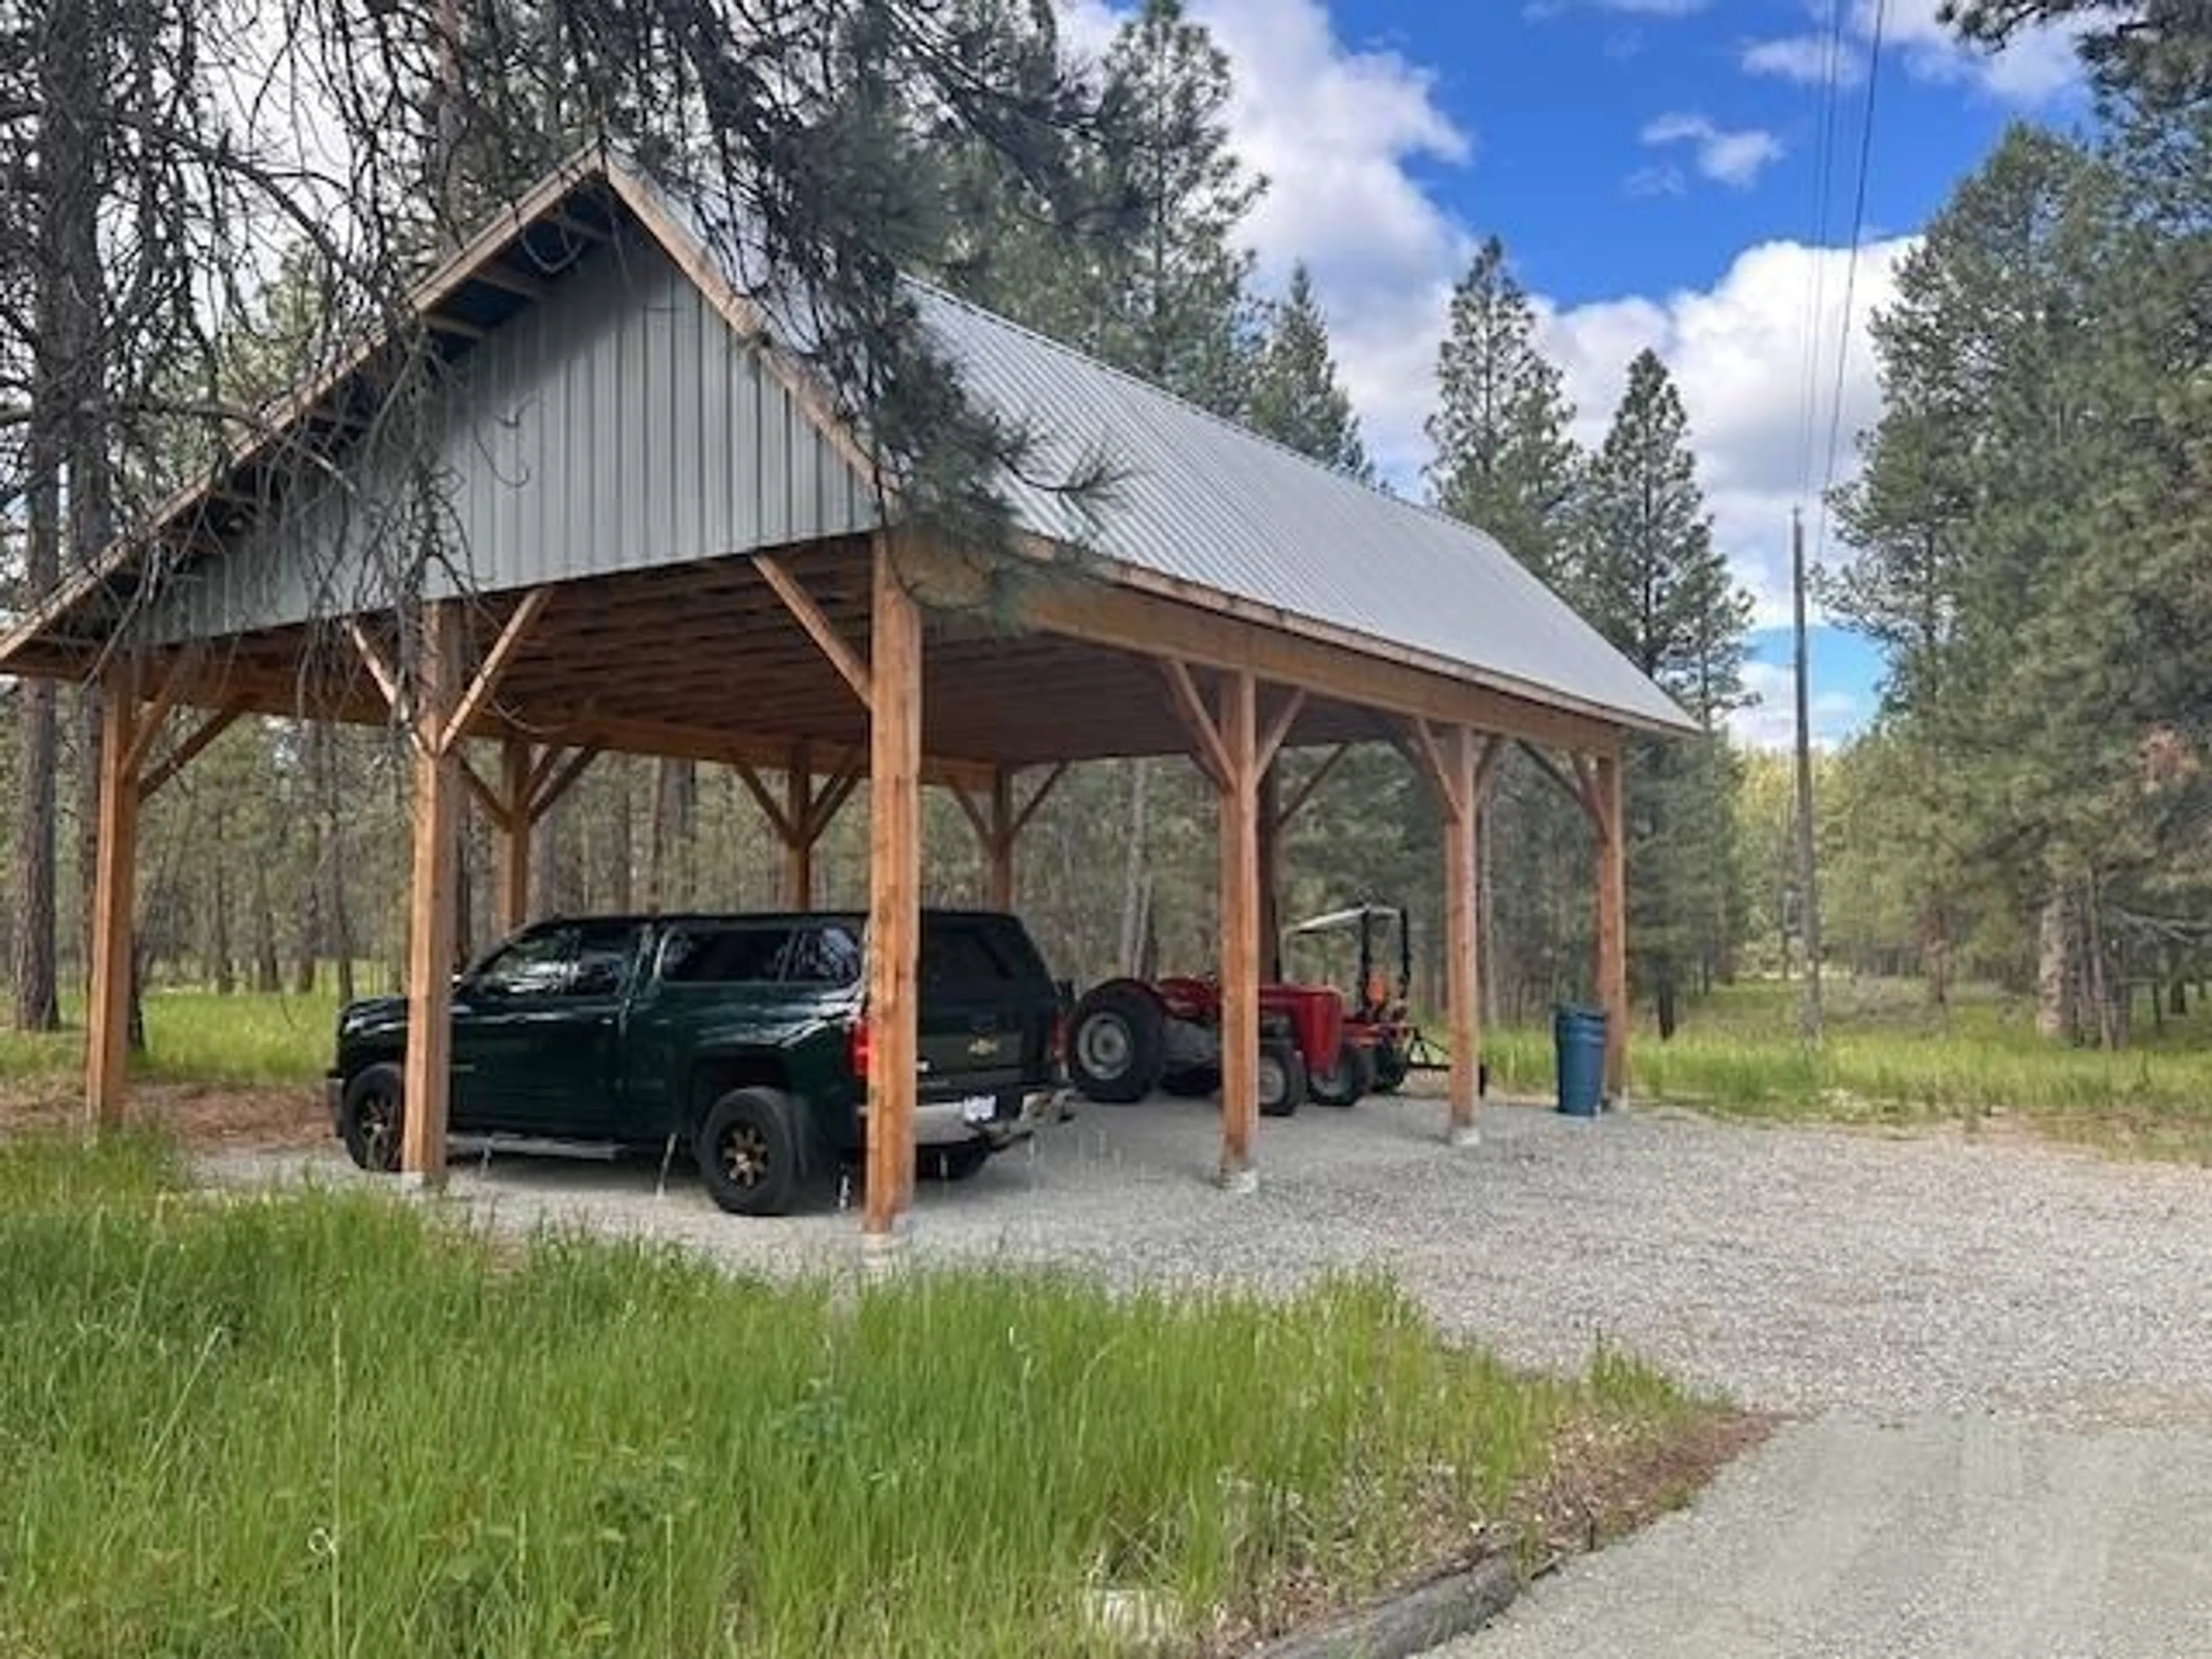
<point>1809,1022</point>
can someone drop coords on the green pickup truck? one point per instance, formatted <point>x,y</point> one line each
<point>741,1037</point>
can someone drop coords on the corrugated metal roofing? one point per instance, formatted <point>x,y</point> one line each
<point>1202,500</point>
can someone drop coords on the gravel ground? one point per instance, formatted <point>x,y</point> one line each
<point>1797,1271</point>
<point>1953,1537</point>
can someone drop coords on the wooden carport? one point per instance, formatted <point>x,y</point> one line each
<point>689,562</point>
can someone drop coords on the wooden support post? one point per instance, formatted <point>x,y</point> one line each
<point>431,909</point>
<point>894,678</point>
<point>1612,922</point>
<point>1235,746</point>
<point>106,1050</point>
<point>799,838</point>
<point>516,764</point>
<point>999,847</point>
<point>1462,969</point>
<point>1271,848</point>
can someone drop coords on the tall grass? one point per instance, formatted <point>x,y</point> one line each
<point>248,1040</point>
<point>329,1424</point>
<point>1889,1058</point>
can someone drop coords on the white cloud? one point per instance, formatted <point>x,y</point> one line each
<point>1746,365</point>
<point>2038,66</point>
<point>1337,130</point>
<point>1735,159</point>
<point>1806,59</point>
<point>1769,721</point>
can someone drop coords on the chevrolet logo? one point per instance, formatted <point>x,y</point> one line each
<point>983,1047</point>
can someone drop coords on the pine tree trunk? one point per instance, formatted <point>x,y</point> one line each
<point>620,851</point>
<point>341,917</point>
<point>221,974</point>
<point>1135,884</point>
<point>36,1001</point>
<point>2059,969</point>
<point>38,1007</point>
<point>268,972</point>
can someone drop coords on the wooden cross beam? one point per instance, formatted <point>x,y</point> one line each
<point>1304,792</point>
<point>824,632</point>
<point>496,664</point>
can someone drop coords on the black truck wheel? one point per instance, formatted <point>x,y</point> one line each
<point>956,1161</point>
<point>1117,1042</point>
<point>370,1118</point>
<point>1343,1083</point>
<point>754,1153</point>
<point>1282,1079</point>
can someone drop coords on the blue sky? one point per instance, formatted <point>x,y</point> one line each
<point>1651,165</point>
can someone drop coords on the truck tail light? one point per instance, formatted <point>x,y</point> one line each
<point>859,1043</point>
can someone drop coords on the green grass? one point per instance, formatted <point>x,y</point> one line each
<point>331,1424</point>
<point>246,1041</point>
<point>1889,1059</point>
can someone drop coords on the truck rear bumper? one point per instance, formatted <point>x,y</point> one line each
<point>949,1122</point>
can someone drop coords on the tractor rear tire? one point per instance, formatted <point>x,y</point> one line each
<point>1282,1079</point>
<point>1117,1042</point>
<point>1344,1082</point>
<point>1391,1066</point>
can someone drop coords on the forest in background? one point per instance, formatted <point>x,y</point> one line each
<point>2024,540</point>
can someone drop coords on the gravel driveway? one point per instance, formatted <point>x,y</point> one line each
<point>2001,1352</point>
<point>1799,1271</point>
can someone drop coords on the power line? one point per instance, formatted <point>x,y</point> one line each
<point>1832,62</point>
<point>1850,272</point>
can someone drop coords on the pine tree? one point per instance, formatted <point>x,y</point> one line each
<point>1172,297</point>
<point>1504,461</point>
<point>1296,397</point>
<point>1652,581</point>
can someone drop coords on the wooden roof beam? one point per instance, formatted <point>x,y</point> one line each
<point>824,632</point>
<point>495,662</point>
<point>494,274</point>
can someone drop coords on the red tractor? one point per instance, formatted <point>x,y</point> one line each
<point>1130,1036</point>
<point>1384,1045</point>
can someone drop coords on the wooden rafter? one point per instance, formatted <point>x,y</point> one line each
<point>486,797</point>
<point>1304,792</point>
<point>495,274</point>
<point>439,323</point>
<point>1271,741</point>
<point>1029,808</point>
<point>1213,753</point>
<point>985,830</point>
<point>778,819</point>
<point>543,797</point>
<point>1429,756</point>
<point>824,632</point>
<point>379,666</point>
<point>495,661</point>
<point>548,761</point>
<point>147,726</point>
<point>831,801</point>
<point>187,750</point>
<point>1577,789</point>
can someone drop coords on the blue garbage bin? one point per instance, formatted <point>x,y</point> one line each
<point>1578,1038</point>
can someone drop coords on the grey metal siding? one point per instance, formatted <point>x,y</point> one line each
<point>620,425</point>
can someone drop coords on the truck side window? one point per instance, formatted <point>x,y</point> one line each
<point>534,965</point>
<point>827,955</point>
<point>604,951</point>
<point>722,956</point>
